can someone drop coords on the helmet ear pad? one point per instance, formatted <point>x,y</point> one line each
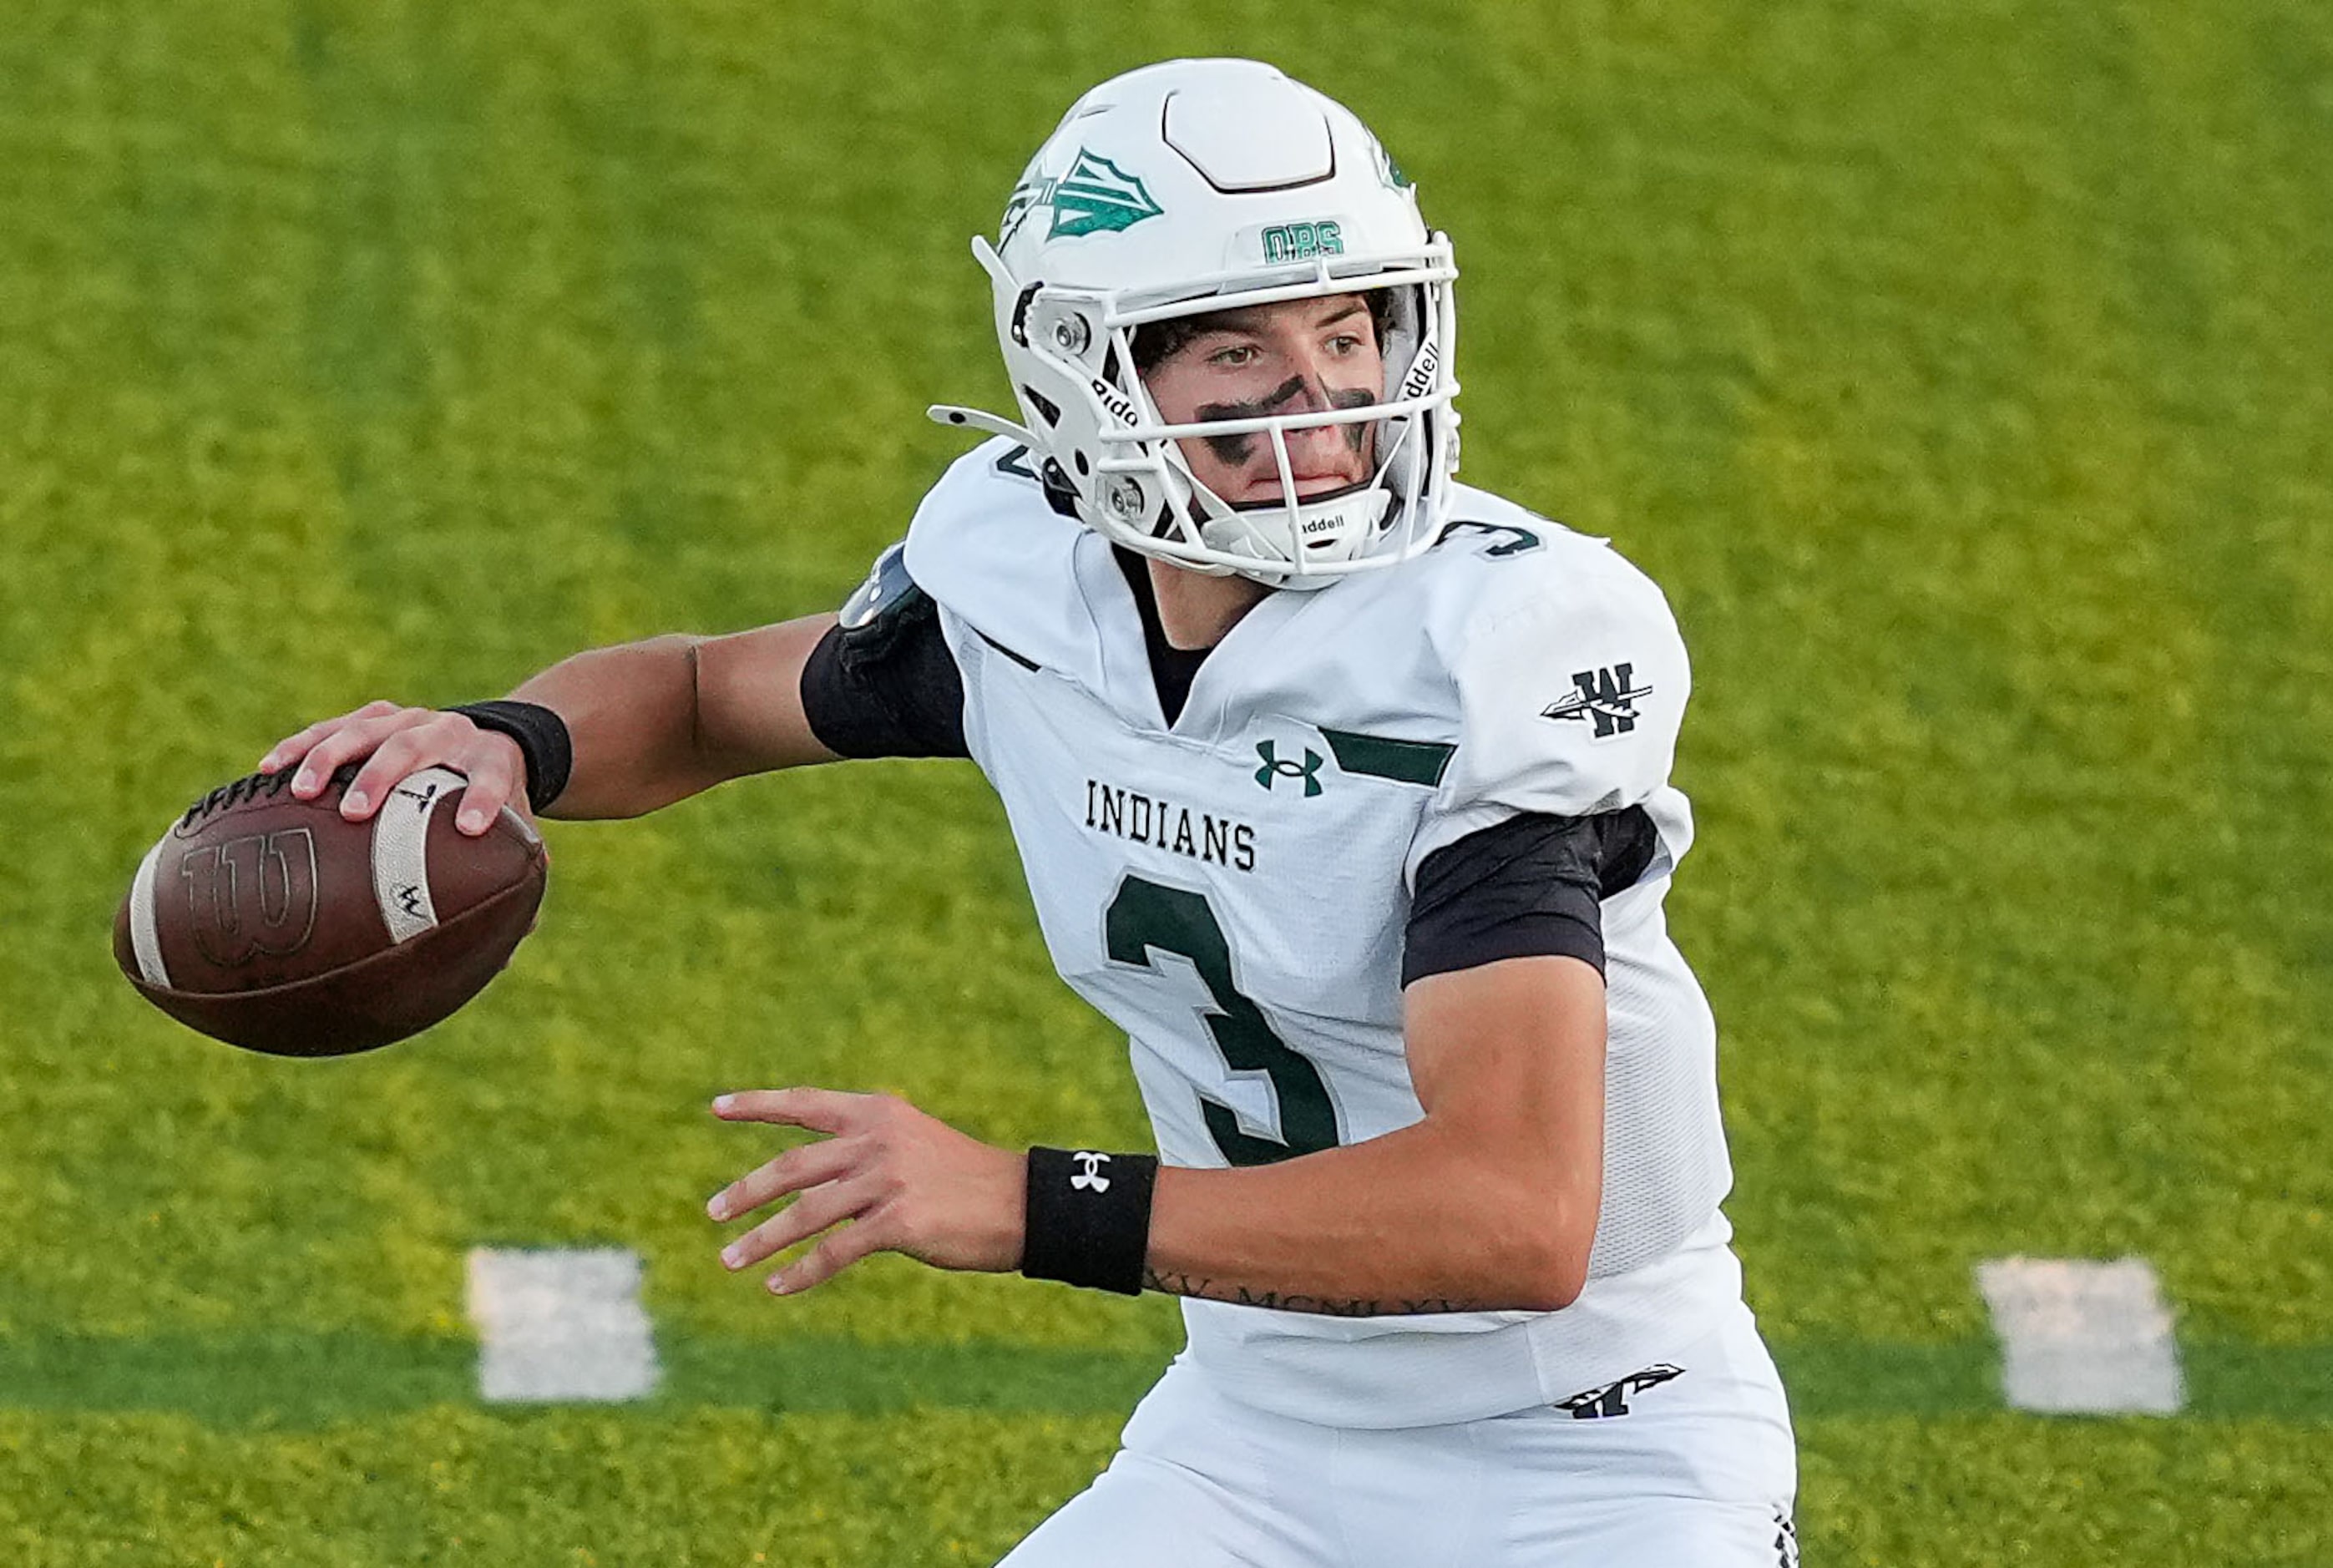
<point>1070,375</point>
<point>1072,382</point>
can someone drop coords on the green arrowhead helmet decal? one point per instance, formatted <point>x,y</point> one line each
<point>1095,196</point>
<point>1390,172</point>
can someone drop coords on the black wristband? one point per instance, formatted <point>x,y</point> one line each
<point>543,740</point>
<point>1088,1218</point>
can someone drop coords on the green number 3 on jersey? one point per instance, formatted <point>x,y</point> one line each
<point>1145,915</point>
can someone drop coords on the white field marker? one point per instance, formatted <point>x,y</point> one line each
<point>2082,1338</point>
<point>561,1325</point>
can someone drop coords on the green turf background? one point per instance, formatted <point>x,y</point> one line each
<point>1964,371</point>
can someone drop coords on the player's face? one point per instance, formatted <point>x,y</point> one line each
<point>1294,357</point>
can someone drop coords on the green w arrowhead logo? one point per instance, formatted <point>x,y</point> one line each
<point>1275,768</point>
<point>1095,196</point>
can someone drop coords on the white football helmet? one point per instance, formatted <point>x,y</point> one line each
<point>1207,185</point>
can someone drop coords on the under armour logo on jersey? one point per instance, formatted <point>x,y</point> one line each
<point>1275,767</point>
<point>1612,1398</point>
<point>1608,696</point>
<point>1091,1179</point>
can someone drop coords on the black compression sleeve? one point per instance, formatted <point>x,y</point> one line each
<point>1530,886</point>
<point>889,687</point>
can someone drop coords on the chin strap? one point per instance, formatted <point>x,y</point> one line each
<point>979,419</point>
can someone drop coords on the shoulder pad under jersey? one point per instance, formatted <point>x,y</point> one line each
<point>887,590</point>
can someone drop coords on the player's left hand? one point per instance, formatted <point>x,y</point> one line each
<point>904,1182</point>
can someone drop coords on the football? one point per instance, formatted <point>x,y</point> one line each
<point>275,924</point>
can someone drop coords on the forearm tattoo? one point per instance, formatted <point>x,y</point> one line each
<point>1290,1302</point>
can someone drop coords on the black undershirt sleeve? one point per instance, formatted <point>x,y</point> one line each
<point>1527,886</point>
<point>887,687</point>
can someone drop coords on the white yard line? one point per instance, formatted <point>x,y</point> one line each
<point>561,1325</point>
<point>2082,1338</point>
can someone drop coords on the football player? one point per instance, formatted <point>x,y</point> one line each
<point>1343,789</point>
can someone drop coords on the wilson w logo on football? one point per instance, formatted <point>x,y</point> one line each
<point>252,896</point>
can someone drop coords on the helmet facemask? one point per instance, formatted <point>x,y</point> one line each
<point>1290,538</point>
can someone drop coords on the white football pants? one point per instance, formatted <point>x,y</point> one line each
<point>1699,1472</point>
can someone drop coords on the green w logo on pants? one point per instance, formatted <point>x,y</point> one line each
<point>1275,768</point>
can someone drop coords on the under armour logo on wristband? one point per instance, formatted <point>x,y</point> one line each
<point>1082,1227</point>
<point>1091,1179</point>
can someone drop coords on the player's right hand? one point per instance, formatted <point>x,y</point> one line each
<point>394,742</point>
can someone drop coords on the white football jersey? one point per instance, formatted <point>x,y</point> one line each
<point>1231,889</point>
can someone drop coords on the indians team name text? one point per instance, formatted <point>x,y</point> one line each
<point>1147,820</point>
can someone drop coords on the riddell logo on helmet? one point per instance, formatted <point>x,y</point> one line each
<point>1117,402</point>
<point>1421,372</point>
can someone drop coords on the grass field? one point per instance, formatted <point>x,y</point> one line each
<point>1964,371</point>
